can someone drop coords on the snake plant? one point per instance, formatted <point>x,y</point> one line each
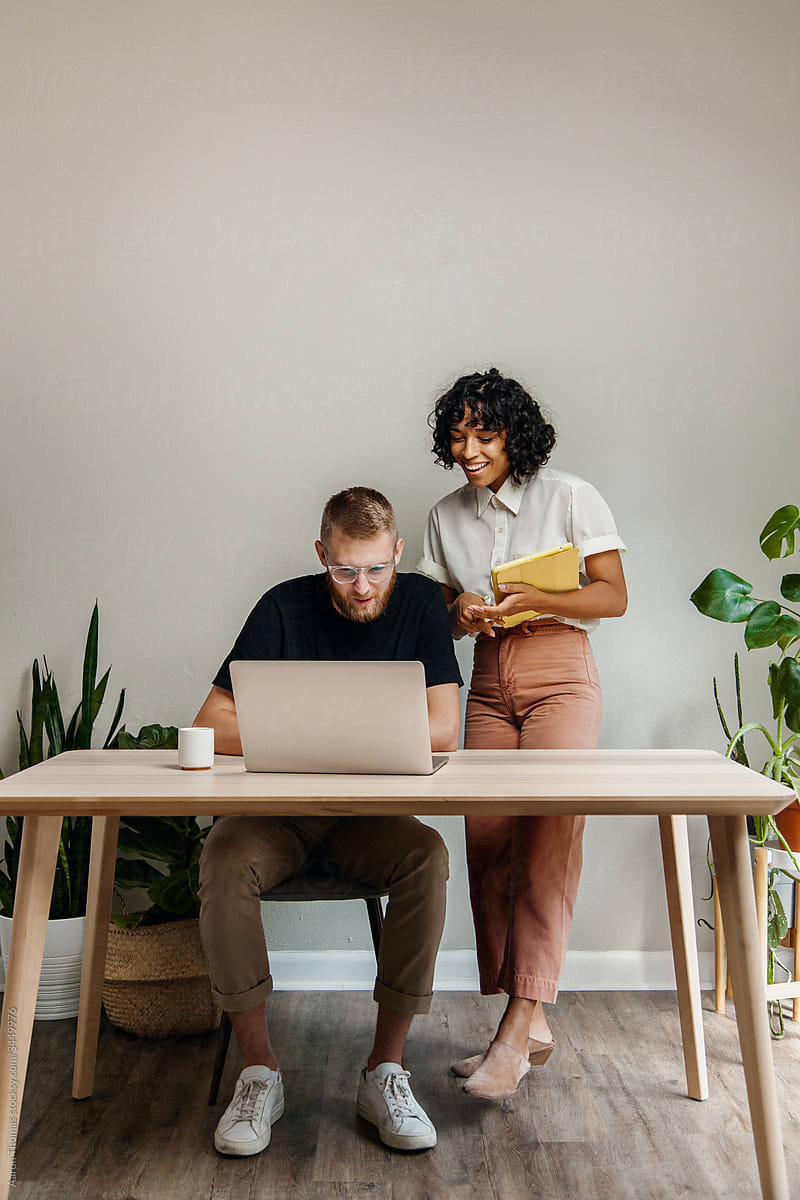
<point>47,735</point>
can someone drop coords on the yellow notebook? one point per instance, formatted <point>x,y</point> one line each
<point>554,570</point>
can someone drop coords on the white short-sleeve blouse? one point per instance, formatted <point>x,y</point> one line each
<point>474,529</point>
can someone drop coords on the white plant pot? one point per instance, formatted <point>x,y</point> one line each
<point>60,981</point>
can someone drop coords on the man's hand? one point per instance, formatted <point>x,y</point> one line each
<point>219,712</point>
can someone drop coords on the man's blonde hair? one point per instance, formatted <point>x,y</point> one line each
<point>358,512</point>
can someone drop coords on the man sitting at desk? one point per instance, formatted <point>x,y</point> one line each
<point>360,608</point>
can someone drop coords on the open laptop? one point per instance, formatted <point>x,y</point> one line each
<point>334,717</point>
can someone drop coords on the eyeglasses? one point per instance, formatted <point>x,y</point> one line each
<point>374,574</point>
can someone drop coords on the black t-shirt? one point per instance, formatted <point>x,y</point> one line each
<point>297,620</point>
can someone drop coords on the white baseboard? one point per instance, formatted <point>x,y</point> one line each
<point>585,971</point>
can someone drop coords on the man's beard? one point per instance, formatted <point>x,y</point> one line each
<point>361,614</point>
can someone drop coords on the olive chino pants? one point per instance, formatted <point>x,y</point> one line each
<point>244,856</point>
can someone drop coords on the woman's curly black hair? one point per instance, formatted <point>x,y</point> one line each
<point>499,404</point>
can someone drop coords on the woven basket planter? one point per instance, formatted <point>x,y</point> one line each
<point>156,980</point>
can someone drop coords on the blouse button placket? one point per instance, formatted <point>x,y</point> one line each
<point>499,554</point>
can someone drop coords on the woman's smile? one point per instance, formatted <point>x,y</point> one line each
<point>481,453</point>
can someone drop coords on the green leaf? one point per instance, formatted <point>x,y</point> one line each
<point>14,826</point>
<point>6,896</point>
<point>197,849</point>
<point>738,754</point>
<point>153,838</point>
<point>780,528</point>
<point>63,896</point>
<point>116,720</point>
<point>724,597</point>
<point>789,680</point>
<point>24,758</point>
<point>61,900</point>
<point>720,712</point>
<point>767,625</point>
<point>790,587</point>
<point>79,850</point>
<point>778,924</point>
<point>54,722</point>
<point>791,716</point>
<point>151,737</point>
<point>38,708</point>
<point>99,694</point>
<point>84,732</point>
<point>788,628</point>
<point>135,872</point>
<point>175,895</point>
<point>762,626</point>
<point>70,737</point>
<point>126,920</point>
<point>775,689</point>
<point>186,827</point>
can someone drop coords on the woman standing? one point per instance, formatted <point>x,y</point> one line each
<point>534,686</point>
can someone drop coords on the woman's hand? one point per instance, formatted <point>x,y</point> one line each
<point>518,598</point>
<point>604,596</point>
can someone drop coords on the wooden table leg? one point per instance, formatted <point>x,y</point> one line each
<point>796,945</point>
<point>37,867</point>
<point>761,885</point>
<point>731,851</point>
<point>720,966</point>
<point>677,877</point>
<point>105,831</point>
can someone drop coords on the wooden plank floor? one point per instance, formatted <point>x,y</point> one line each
<point>607,1117</point>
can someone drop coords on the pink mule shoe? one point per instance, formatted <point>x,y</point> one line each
<point>500,1074</point>
<point>538,1054</point>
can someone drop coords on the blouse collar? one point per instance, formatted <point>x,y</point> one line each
<point>508,494</point>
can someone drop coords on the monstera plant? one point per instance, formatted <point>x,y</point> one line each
<point>768,624</point>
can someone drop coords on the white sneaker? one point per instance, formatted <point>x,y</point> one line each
<point>246,1125</point>
<point>385,1100</point>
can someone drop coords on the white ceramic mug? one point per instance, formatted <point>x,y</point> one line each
<point>195,748</point>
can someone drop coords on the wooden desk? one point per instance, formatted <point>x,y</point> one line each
<point>107,784</point>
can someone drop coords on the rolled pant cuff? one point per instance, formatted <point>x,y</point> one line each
<point>400,1001</point>
<point>242,1001</point>
<point>527,987</point>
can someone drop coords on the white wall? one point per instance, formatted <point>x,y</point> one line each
<point>247,244</point>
